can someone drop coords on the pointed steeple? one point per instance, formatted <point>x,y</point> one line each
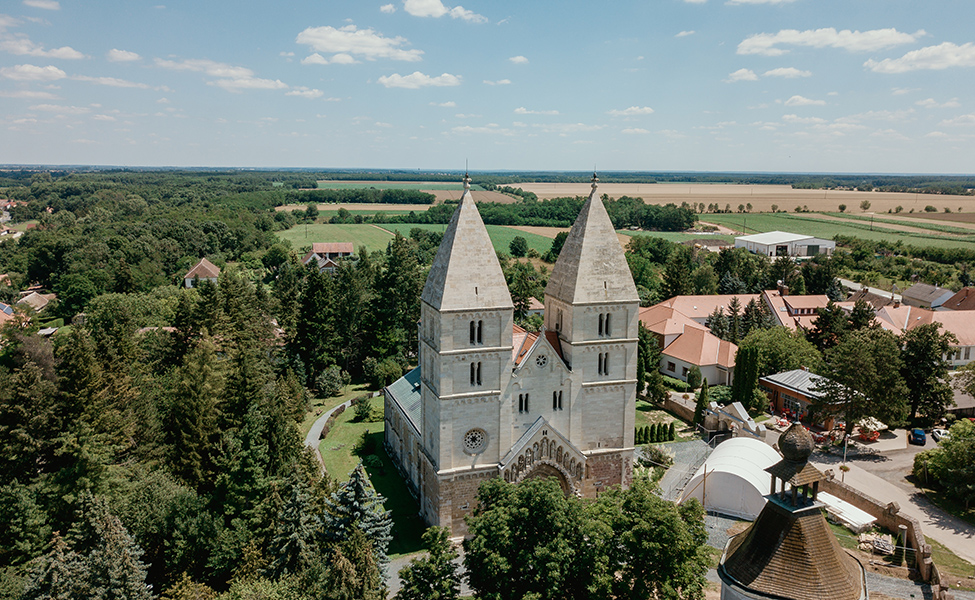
<point>591,266</point>
<point>465,272</point>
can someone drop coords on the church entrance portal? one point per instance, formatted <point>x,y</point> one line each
<point>543,471</point>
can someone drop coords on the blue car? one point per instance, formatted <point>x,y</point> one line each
<point>917,436</point>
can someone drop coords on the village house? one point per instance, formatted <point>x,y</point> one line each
<point>791,392</point>
<point>202,271</point>
<point>327,255</point>
<point>794,311</point>
<point>36,300</point>
<point>685,344</point>
<point>923,295</point>
<point>964,299</point>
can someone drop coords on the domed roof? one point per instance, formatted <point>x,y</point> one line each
<point>796,444</point>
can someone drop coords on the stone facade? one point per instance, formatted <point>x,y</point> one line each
<point>491,400</point>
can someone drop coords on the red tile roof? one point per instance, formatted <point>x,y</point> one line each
<point>333,247</point>
<point>700,307</point>
<point>204,270</point>
<point>964,299</point>
<point>698,346</point>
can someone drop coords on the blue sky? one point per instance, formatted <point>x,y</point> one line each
<point>741,85</point>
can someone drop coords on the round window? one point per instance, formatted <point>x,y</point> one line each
<point>542,360</point>
<point>475,441</point>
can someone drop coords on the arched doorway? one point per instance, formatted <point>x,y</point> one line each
<point>543,471</point>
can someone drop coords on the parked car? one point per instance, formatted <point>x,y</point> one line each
<point>917,436</point>
<point>939,434</point>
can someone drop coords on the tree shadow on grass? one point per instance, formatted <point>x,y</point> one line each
<point>408,527</point>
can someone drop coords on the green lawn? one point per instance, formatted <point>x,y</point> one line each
<point>647,414</point>
<point>302,236</point>
<point>320,405</point>
<point>391,185</point>
<point>501,235</point>
<point>338,455</point>
<point>814,224</point>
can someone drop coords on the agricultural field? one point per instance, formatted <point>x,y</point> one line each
<point>393,185</point>
<point>370,236</point>
<point>501,235</point>
<point>678,236</point>
<point>364,208</point>
<point>761,197</point>
<point>827,226</point>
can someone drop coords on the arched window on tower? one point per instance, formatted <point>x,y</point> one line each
<point>480,332</point>
<point>473,373</point>
<point>557,400</point>
<point>602,317</point>
<point>473,336</point>
<point>478,373</point>
<point>599,368</point>
<point>606,329</point>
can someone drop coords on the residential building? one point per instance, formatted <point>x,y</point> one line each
<point>959,322</point>
<point>37,300</point>
<point>924,295</point>
<point>794,311</point>
<point>964,299</point>
<point>328,254</point>
<point>685,343</point>
<point>202,271</point>
<point>489,399</point>
<point>699,308</point>
<point>781,243</point>
<point>792,392</point>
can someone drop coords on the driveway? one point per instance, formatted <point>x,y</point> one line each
<point>314,437</point>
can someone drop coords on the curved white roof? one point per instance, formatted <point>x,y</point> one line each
<point>735,482</point>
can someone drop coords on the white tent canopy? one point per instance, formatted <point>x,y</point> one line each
<point>733,480</point>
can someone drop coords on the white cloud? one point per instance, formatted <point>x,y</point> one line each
<point>343,59</point>
<point>467,116</point>
<point>286,54</point>
<point>685,33</point>
<point>565,128</point>
<point>787,72</point>
<point>237,84</point>
<point>116,55</point>
<point>932,103</point>
<point>933,58</point>
<point>305,92</point>
<point>314,59</point>
<point>103,118</point>
<point>164,101</point>
<point>21,45</point>
<point>388,8</point>
<point>498,82</point>
<point>635,131</point>
<point>519,60</point>
<point>28,95</point>
<point>436,9</point>
<point>767,44</point>
<point>803,101</point>
<point>741,75</point>
<point>32,73</point>
<point>449,104</point>
<point>61,110</point>
<point>490,128</point>
<point>44,4</point>
<point>521,110</point>
<point>802,120</point>
<point>733,2</point>
<point>631,111</point>
<point>203,65</point>
<point>964,120</point>
<point>897,91</point>
<point>111,82</point>
<point>352,41</point>
<point>417,80</point>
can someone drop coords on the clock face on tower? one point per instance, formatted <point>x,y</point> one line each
<point>541,360</point>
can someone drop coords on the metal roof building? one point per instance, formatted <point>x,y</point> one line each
<point>782,243</point>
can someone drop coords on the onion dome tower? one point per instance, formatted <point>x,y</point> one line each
<point>789,552</point>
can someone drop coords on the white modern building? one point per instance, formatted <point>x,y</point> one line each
<point>782,243</point>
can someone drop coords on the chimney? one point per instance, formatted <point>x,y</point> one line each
<point>897,304</point>
<point>783,290</point>
<point>804,368</point>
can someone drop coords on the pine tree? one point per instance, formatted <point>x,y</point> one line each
<point>53,576</point>
<point>357,506</point>
<point>735,331</point>
<point>746,378</point>
<point>292,546</point>
<point>672,433</point>
<point>717,322</point>
<point>190,426</point>
<point>702,403</point>
<point>646,434</point>
<point>677,274</point>
<point>434,576</point>
<point>187,589</point>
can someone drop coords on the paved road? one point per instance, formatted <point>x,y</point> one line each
<point>315,433</point>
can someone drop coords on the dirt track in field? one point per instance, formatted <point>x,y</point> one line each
<point>761,197</point>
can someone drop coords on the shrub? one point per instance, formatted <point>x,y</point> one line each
<point>694,378</point>
<point>518,246</point>
<point>361,409</point>
<point>675,384</point>
<point>372,462</point>
<point>672,433</point>
<point>899,209</point>
<point>930,208</point>
<point>842,208</point>
<point>330,382</point>
<point>657,456</point>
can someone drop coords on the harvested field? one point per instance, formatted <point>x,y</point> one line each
<point>761,197</point>
<point>549,232</point>
<point>479,196</point>
<point>329,184</point>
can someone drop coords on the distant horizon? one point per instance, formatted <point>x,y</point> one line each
<point>460,172</point>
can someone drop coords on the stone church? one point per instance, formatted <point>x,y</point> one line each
<point>490,399</point>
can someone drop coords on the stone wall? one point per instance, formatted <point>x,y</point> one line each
<point>680,410</point>
<point>889,517</point>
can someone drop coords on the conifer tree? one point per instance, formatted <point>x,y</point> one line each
<point>190,427</point>
<point>434,576</point>
<point>357,506</point>
<point>717,322</point>
<point>702,403</point>
<point>672,432</point>
<point>53,576</point>
<point>292,547</point>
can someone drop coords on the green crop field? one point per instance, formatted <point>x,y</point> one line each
<point>391,185</point>
<point>302,236</point>
<point>328,214</point>
<point>815,225</point>
<point>677,236</point>
<point>501,235</point>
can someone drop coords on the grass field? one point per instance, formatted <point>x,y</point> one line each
<point>393,185</point>
<point>501,235</point>
<point>320,405</point>
<point>816,225</point>
<point>363,208</point>
<point>338,455</point>
<point>302,236</point>
<point>677,236</point>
